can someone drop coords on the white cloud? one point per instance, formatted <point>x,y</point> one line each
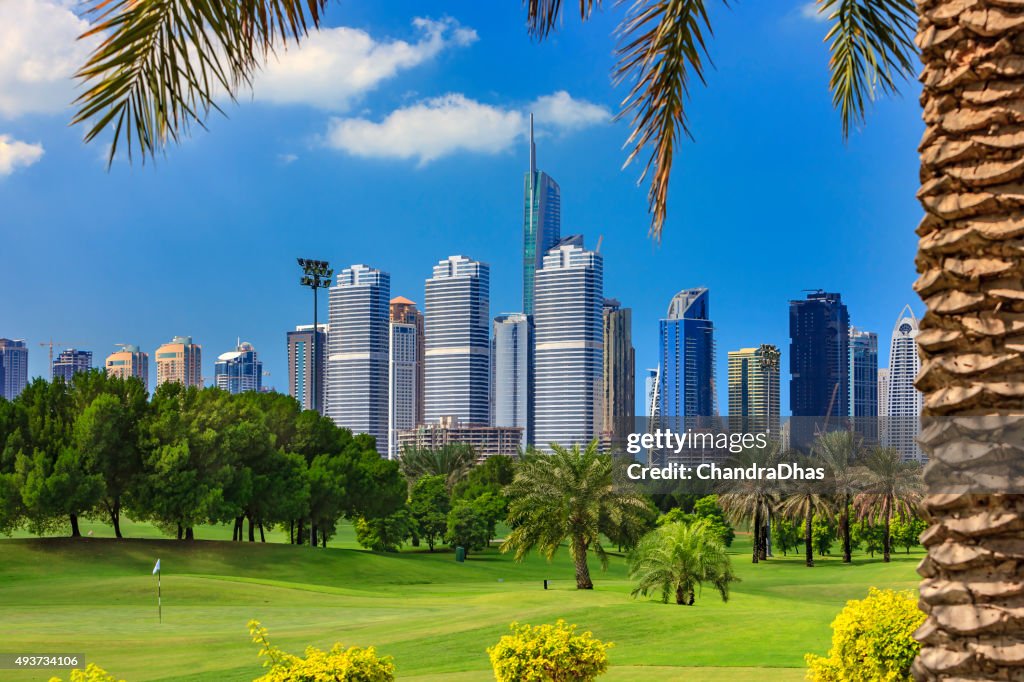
<point>16,154</point>
<point>39,53</point>
<point>287,159</point>
<point>334,66</point>
<point>810,11</point>
<point>454,123</point>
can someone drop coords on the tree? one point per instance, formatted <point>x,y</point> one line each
<point>453,461</point>
<point>385,533</point>
<point>429,504</point>
<point>869,537</point>
<point>803,500</point>
<point>838,451</point>
<point>892,488</point>
<point>785,535</point>
<point>754,500</point>
<point>907,532</point>
<point>679,557</point>
<point>467,526</point>
<point>823,534</point>
<point>569,495</point>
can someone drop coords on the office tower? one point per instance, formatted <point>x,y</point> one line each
<point>13,368</point>
<point>239,370</point>
<point>511,380</point>
<point>905,402</point>
<point>69,363</point>
<point>618,395</point>
<point>357,361</point>
<point>569,347</point>
<point>883,392</point>
<point>819,356</point>
<point>651,392</point>
<point>457,325</point>
<point>404,311</point>
<point>129,362</point>
<point>180,361</point>
<point>754,390</point>
<point>686,340</point>
<point>301,364</point>
<point>402,388</point>
<point>864,383</point>
<point>542,218</point>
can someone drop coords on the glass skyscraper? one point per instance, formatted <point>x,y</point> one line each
<point>569,347</point>
<point>70,362</point>
<point>754,390</point>
<point>542,218</point>
<point>457,321</point>
<point>686,345</point>
<point>511,384</point>
<point>239,371</point>
<point>301,363</point>
<point>403,311</point>
<point>903,412</point>
<point>13,368</point>
<point>618,399</point>
<point>357,361</point>
<point>864,383</point>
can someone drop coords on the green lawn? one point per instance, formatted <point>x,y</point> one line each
<point>435,617</point>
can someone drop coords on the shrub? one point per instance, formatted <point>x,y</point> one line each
<point>872,640</point>
<point>92,673</point>
<point>548,653</point>
<point>339,664</point>
<point>467,526</point>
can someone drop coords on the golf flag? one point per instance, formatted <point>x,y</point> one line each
<point>156,569</point>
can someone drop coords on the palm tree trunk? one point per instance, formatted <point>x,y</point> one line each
<point>844,528</point>
<point>757,535</point>
<point>680,595</point>
<point>887,539</point>
<point>808,539</point>
<point>971,270</point>
<point>579,556</point>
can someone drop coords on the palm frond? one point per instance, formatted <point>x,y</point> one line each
<point>162,63</point>
<point>543,16</point>
<point>662,45</point>
<point>871,47</point>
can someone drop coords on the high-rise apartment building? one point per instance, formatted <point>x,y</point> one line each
<point>542,218</point>
<point>129,362</point>
<point>686,344</point>
<point>357,360</point>
<point>70,362</point>
<point>402,387</point>
<point>569,347</point>
<point>651,392</point>
<point>819,364</point>
<point>511,378</point>
<point>618,395</point>
<point>457,326</point>
<point>864,383</point>
<point>403,311</point>
<point>754,390</point>
<point>903,413</point>
<point>883,392</point>
<point>302,365</point>
<point>180,360</point>
<point>240,370</point>
<point>13,367</point>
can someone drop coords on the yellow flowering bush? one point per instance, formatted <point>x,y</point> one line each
<point>872,640</point>
<point>548,653</point>
<point>337,665</point>
<point>92,673</point>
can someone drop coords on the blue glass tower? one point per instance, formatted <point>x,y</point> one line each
<point>687,354</point>
<point>819,356</point>
<point>542,219</point>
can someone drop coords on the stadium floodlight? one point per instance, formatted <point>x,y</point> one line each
<point>316,275</point>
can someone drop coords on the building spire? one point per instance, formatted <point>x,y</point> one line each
<point>533,152</point>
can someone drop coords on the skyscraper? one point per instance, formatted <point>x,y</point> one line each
<point>129,362</point>
<point>511,381</point>
<point>754,390</point>
<point>457,326</point>
<point>13,368</point>
<point>651,392</point>
<point>301,364</point>
<point>542,218</point>
<point>618,395</point>
<point>687,356</point>
<point>181,361</point>
<point>864,383</point>
<point>819,356</point>
<point>357,361</point>
<point>903,412</point>
<point>883,392</point>
<point>239,370</point>
<point>402,388</point>
<point>569,348</point>
<point>69,363</point>
<point>404,311</point>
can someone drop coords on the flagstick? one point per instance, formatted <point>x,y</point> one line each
<point>159,600</point>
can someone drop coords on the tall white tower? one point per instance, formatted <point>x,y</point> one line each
<point>904,402</point>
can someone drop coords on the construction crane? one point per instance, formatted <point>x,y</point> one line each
<point>51,343</point>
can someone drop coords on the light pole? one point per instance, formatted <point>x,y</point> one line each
<point>316,274</point>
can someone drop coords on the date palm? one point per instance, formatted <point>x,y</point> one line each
<point>161,63</point>
<point>802,500</point>
<point>678,558</point>
<point>569,496</point>
<point>838,452</point>
<point>891,489</point>
<point>453,461</point>
<point>753,501</point>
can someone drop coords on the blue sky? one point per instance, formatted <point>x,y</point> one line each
<point>413,148</point>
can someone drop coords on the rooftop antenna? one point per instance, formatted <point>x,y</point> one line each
<point>533,150</point>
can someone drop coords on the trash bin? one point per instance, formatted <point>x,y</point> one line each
<point>460,554</point>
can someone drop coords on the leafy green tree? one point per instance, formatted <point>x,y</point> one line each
<point>906,532</point>
<point>785,535</point>
<point>570,495</point>
<point>490,476</point>
<point>429,505</point>
<point>467,526</point>
<point>708,507</point>
<point>823,534</point>
<point>679,557</point>
<point>869,537</point>
<point>385,533</point>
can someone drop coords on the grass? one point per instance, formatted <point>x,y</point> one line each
<point>96,596</point>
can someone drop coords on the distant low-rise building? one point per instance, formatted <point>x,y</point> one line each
<point>70,362</point>
<point>486,441</point>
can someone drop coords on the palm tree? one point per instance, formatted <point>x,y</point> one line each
<point>838,451</point>
<point>453,461</point>
<point>157,71</point>
<point>892,488</point>
<point>803,499</point>
<point>569,495</point>
<point>679,557</point>
<point>753,501</point>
